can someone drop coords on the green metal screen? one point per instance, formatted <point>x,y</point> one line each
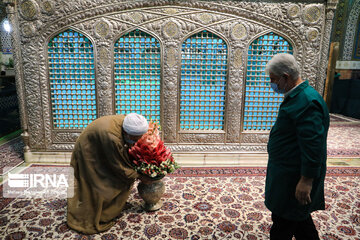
<point>203,82</point>
<point>138,75</point>
<point>261,102</point>
<point>72,80</point>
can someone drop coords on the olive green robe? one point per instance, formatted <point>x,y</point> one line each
<point>103,176</point>
<point>297,147</point>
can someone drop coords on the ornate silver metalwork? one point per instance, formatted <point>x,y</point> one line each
<point>311,14</point>
<point>201,138</point>
<point>238,57</point>
<point>305,24</point>
<point>351,31</point>
<point>48,7</point>
<point>102,28</point>
<point>330,9</point>
<point>293,10</point>
<point>171,29</point>
<point>255,138</point>
<point>28,30</point>
<point>65,137</point>
<point>29,9</point>
<point>239,31</point>
<point>218,148</point>
<point>312,34</point>
<point>104,56</point>
<point>205,18</point>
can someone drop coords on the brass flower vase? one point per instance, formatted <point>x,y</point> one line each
<point>151,192</point>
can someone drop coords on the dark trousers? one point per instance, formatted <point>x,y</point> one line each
<point>283,229</point>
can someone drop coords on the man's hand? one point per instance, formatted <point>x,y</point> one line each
<point>303,190</point>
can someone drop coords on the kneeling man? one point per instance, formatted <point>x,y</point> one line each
<point>103,172</point>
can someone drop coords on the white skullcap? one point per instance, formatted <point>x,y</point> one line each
<point>135,124</point>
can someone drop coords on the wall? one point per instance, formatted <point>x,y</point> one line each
<point>305,25</point>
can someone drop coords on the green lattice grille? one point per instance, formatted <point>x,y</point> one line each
<point>138,75</point>
<point>261,102</point>
<point>203,82</point>
<point>72,80</point>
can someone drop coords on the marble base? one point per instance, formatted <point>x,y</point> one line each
<point>184,159</point>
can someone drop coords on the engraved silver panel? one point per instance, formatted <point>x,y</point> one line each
<point>304,24</point>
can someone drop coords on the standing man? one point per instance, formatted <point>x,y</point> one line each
<point>103,172</point>
<point>297,153</point>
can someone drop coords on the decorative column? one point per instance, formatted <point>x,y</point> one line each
<point>15,40</point>
<point>236,83</point>
<point>172,48</point>
<point>330,12</point>
<point>105,87</point>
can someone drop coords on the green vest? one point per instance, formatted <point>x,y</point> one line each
<point>297,147</point>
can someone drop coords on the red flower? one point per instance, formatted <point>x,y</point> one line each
<point>149,153</point>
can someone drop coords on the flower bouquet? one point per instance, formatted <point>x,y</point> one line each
<point>150,156</point>
<point>154,160</point>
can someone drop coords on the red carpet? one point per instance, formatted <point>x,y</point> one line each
<point>199,203</point>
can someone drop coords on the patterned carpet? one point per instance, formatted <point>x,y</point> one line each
<point>334,117</point>
<point>11,154</point>
<point>199,203</point>
<point>343,140</point>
